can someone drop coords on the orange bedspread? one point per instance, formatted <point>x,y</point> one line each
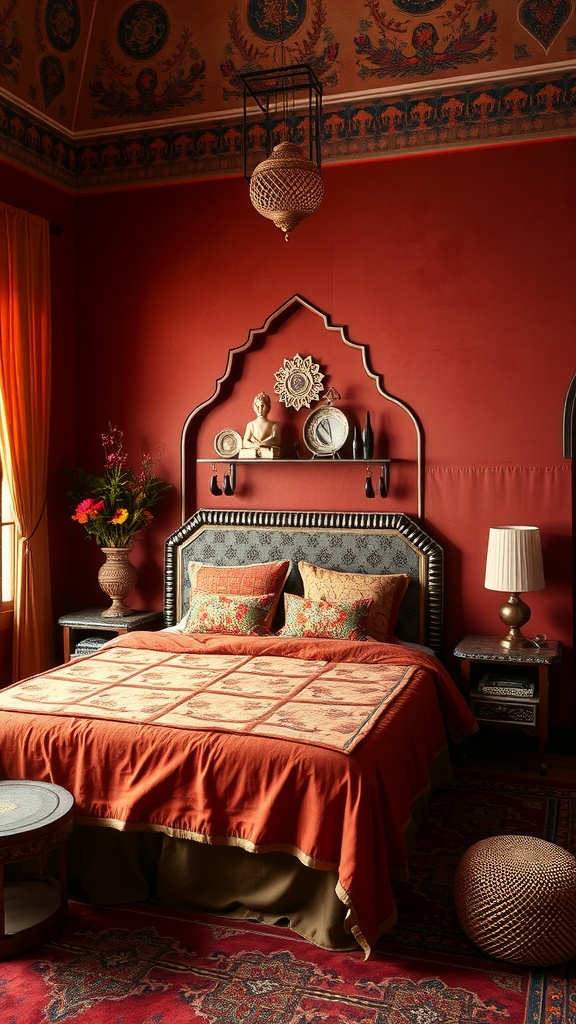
<point>338,796</point>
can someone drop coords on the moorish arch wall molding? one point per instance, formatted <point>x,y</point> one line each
<point>256,335</point>
<point>569,420</point>
<point>568,451</point>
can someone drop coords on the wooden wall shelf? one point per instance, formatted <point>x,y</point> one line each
<point>319,460</point>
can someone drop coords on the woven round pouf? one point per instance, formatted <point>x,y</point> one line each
<point>516,899</point>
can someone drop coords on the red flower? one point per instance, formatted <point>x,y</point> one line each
<point>87,509</point>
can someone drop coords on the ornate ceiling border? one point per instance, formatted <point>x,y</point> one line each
<point>382,126</point>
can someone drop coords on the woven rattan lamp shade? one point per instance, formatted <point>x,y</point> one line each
<point>286,187</point>
<point>516,899</point>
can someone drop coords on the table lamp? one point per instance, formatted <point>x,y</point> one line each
<point>514,565</point>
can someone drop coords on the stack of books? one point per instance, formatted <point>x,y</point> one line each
<point>510,685</point>
<point>89,645</point>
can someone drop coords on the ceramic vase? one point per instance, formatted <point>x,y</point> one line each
<point>117,577</point>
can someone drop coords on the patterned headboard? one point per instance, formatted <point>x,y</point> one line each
<point>345,541</point>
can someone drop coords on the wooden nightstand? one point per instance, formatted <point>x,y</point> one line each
<point>89,623</point>
<point>508,689</point>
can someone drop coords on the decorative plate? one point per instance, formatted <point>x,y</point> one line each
<point>298,382</point>
<point>227,443</point>
<point>325,430</point>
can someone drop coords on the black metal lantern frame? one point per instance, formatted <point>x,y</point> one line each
<point>280,93</point>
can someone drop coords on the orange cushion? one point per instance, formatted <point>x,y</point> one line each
<point>247,580</point>
<point>386,592</point>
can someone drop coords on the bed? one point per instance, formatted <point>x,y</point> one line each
<point>273,769</point>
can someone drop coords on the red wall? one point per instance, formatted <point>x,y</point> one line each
<point>457,271</point>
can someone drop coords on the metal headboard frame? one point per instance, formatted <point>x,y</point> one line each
<point>430,553</point>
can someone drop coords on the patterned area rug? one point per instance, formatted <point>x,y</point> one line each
<point>139,964</point>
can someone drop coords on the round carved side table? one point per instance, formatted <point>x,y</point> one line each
<point>35,820</point>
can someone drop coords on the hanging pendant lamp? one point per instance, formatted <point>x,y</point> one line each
<point>287,186</point>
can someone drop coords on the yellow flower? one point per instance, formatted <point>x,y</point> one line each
<point>120,516</point>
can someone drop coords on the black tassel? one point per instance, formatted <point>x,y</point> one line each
<point>383,482</point>
<point>368,488</point>
<point>214,488</point>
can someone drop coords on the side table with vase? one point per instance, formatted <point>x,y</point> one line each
<point>89,629</point>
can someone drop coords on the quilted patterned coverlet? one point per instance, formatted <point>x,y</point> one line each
<point>291,698</point>
<point>313,748</point>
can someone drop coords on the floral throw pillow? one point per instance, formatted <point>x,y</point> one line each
<point>252,580</point>
<point>345,620</point>
<point>228,613</point>
<point>386,592</point>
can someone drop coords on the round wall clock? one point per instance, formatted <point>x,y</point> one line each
<point>325,431</point>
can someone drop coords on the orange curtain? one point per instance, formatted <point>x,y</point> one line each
<point>25,361</point>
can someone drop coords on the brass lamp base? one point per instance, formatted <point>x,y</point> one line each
<point>514,613</point>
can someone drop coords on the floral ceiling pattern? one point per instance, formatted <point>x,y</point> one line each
<point>100,92</point>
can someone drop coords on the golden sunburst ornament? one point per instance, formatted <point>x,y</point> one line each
<point>298,382</point>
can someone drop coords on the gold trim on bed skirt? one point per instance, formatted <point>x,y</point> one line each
<point>206,840</point>
<point>112,862</point>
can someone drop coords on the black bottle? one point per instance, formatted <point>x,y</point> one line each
<point>368,439</point>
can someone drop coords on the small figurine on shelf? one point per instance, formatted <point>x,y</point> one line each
<point>262,437</point>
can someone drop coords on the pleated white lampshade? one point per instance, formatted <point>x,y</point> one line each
<point>514,559</point>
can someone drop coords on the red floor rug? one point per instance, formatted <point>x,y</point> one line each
<point>142,965</point>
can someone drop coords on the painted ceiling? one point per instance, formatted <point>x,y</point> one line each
<point>95,93</point>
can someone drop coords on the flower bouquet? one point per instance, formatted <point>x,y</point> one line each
<point>112,508</point>
<point>117,504</point>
